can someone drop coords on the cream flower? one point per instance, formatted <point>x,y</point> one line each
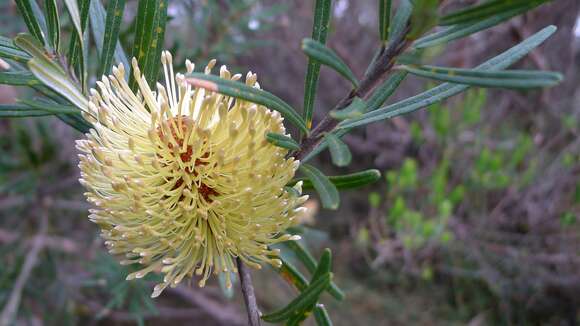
<point>183,179</point>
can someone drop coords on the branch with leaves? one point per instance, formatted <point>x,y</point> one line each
<point>61,84</point>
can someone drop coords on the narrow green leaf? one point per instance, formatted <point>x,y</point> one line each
<point>461,30</point>
<point>326,190</point>
<point>502,79</point>
<point>58,82</point>
<point>240,90</point>
<point>322,14</point>
<point>53,23</point>
<point>321,316</point>
<point>73,11</point>
<point>20,111</point>
<point>310,263</point>
<point>446,90</point>
<point>401,19</point>
<point>385,90</point>
<point>355,109</point>
<point>18,78</point>
<point>348,181</point>
<point>115,9</point>
<point>77,55</point>
<point>310,294</point>
<point>29,44</point>
<point>317,51</point>
<point>339,151</point>
<point>291,274</point>
<point>49,107</point>
<point>323,268</point>
<point>76,121</point>
<point>282,141</point>
<point>8,50</point>
<point>150,31</point>
<point>98,15</point>
<point>424,17</point>
<point>487,9</point>
<point>25,7</point>
<point>384,19</point>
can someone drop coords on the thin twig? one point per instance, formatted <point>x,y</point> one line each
<point>249,295</point>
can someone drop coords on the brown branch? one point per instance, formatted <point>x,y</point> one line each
<point>376,72</point>
<point>254,313</point>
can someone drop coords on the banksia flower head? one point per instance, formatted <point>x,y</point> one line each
<point>183,179</point>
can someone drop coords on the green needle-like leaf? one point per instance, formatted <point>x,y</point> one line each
<point>282,141</point>
<point>487,9</point>
<point>77,52</point>
<point>9,51</point>
<point>18,78</point>
<point>321,316</point>
<point>291,274</point>
<point>326,190</point>
<point>322,14</point>
<point>25,7</point>
<point>115,9</point>
<point>305,299</point>
<point>384,19</point>
<point>20,111</point>
<point>98,26</point>
<point>401,19</point>
<point>339,151</point>
<point>461,30</point>
<point>150,33</point>
<point>310,263</point>
<point>501,79</point>
<point>242,91</point>
<point>446,90</point>
<point>317,51</point>
<point>385,90</point>
<point>53,23</point>
<point>347,181</point>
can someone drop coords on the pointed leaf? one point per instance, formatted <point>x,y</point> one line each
<point>305,299</point>
<point>20,111</point>
<point>384,19</point>
<point>115,9</point>
<point>9,50</point>
<point>465,29</point>
<point>348,181</point>
<point>25,7</point>
<point>150,31</point>
<point>317,51</point>
<point>18,78</point>
<point>339,151</point>
<point>310,263</point>
<point>322,14</point>
<point>326,190</point>
<point>53,23</point>
<point>240,90</point>
<point>77,52</point>
<point>321,316</point>
<point>73,11</point>
<point>502,79</point>
<point>98,15</point>
<point>385,90</point>
<point>401,19</point>
<point>283,141</point>
<point>446,90</point>
<point>291,274</point>
<point>487,9</point>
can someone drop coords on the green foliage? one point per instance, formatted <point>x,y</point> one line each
<point>323,55</point>
<point>325,189</point>
<point>320,26</point>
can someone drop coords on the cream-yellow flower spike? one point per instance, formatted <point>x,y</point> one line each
<point>183,179</point>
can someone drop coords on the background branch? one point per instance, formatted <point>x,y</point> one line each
<point>248,293</point>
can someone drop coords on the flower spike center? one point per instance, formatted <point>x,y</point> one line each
<point>182,178</point>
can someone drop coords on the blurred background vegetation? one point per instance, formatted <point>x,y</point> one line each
<point>475,221</point>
